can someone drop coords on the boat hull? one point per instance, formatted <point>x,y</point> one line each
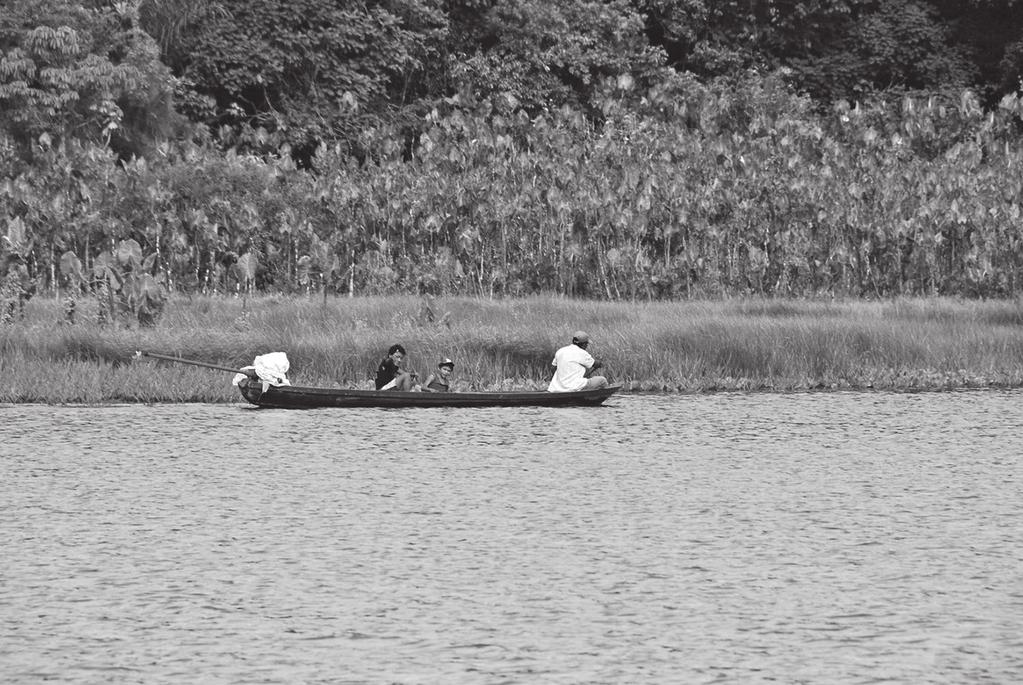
<point>297,397</point>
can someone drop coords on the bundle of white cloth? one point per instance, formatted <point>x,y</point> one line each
<point>271,369</point>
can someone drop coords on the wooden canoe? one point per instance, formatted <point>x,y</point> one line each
<point>297,397</point>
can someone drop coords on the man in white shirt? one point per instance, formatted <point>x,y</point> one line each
<point>573,366</point>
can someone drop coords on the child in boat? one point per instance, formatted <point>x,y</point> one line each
<point>441,380</point>
<point>390,375</point>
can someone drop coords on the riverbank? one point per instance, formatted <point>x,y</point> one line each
<point>685,347</point>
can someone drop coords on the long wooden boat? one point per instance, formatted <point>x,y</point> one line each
<point>297,397</point>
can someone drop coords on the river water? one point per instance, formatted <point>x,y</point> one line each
<point>734,538</point>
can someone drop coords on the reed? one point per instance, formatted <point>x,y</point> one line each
<point>698,346</point>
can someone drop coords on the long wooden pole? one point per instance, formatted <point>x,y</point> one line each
<point>179,360</point>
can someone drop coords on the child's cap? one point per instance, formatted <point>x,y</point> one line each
<point>446,362</point>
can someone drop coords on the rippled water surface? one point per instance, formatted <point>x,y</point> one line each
<point>845,537</point>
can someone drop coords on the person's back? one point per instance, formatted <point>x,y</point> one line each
<point>573,365</point>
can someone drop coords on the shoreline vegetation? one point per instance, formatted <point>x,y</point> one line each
<point>741,344</point>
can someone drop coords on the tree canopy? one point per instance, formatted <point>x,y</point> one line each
<point>613,148</point>
<point>256,74</point>
<point>307,70</point>
<point>69,70</point>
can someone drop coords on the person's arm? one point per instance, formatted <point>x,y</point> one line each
<point>426,384</point>
<point>589,363</point>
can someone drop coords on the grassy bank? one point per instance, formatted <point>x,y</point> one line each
<point>702,346</point>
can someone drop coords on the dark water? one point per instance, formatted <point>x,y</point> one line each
<point>817,538</point>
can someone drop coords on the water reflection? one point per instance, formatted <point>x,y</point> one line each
<point>838,537</point>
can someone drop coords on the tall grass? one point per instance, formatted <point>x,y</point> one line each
<point>732,344</point>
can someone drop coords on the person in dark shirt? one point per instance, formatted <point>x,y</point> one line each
<point>441,380</point>
<point>390,374</point>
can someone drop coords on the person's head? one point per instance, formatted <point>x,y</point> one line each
<point>446,366</point>
<point>396,352</point>
<point>581,339</point>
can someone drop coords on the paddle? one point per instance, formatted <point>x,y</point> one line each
<point>179,360</point>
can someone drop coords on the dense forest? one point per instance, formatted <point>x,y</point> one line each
<point>595,148</point>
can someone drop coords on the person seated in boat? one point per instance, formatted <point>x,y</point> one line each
<point>574,367</point>
<point>441,380</point>
<point>391,375</point>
